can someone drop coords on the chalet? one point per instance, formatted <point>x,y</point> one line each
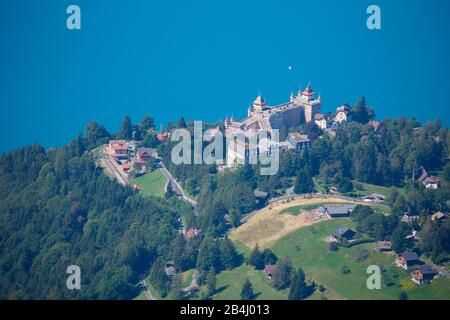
<point>143,155</point>
<point>407,259</point>
<point>375,197</point>
<point>431,182</point>
<point>439,216</point>
<point>290,190</point>
<point>423,274</point>
<point>298,141</point>
<point>192,233</point>
<point>261,197</point>
<point>343,234</point>
<point>409,217</point>
<point>384,246</point>
<point>342,211</point>
<point>378,127</point>
<point>162,136</point>
<point>170,271</point>
<point>135,186</point>
<point>269,269</point>
<point>422,174</point>
<point>323,121</point>
<point>118,149</point>
<point>343,114</point>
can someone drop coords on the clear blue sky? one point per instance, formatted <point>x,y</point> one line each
<point>206,59</point>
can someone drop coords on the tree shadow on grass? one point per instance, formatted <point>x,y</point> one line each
<point>219,290</point>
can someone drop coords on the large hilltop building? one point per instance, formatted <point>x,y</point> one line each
<point>300,109</point>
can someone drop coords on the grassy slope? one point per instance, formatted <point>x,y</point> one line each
<point>152,184</point>
<point>229,283</point>
<point>306,249</point>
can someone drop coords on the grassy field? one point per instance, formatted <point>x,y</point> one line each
<point>187,278</point>
<point>229,284</point>
<point>306,248</point>
<point>152,184</point>
<point>268,225</point>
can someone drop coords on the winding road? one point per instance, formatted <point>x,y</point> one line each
<point>176,186</point>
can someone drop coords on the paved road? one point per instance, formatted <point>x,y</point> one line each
<point>176,187</point>
<point>147,292</point>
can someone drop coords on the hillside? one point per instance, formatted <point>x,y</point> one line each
<point>59,209</point>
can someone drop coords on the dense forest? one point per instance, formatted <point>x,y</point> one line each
<point>59,209</point>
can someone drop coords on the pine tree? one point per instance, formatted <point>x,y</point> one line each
<point>211,283</point>
<point>126,129</point>
<point>298,289</point>
<point>256,259</point>
<point>178,253</point>
<point>282,275</point>
<point>181,123</point>
<point>247,292</point>
<point>158,277</point>
<point>269,257</point>
<point>361,112</point>
<point>176,288</point>
<point>208,255</point>
<point>228,254</point>
<point>147,123</point>
<point>304,182</point>
<point>95,135</point>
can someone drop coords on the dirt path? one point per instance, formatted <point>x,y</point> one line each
<point>147,292</point>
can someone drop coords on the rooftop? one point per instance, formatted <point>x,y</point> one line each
<point>410,256</point>
<point>339,232</point>
<point>299,137</point>
<point>270,268</point>
<point>426,270</point>
<point>340,209</point>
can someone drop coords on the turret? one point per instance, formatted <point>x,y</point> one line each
<point>259,104</point>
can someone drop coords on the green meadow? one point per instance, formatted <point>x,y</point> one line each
<point>306,248</point>
<point>152,184</point>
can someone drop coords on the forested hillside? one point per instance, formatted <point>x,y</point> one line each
<point>58,209</point>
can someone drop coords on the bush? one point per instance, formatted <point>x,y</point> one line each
<point>333,247</point>
<point>361,254</point>
<point>345,269</point>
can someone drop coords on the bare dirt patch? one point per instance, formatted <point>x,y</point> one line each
<point>268,225</point>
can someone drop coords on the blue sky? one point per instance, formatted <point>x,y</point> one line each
<point>206,59</point>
